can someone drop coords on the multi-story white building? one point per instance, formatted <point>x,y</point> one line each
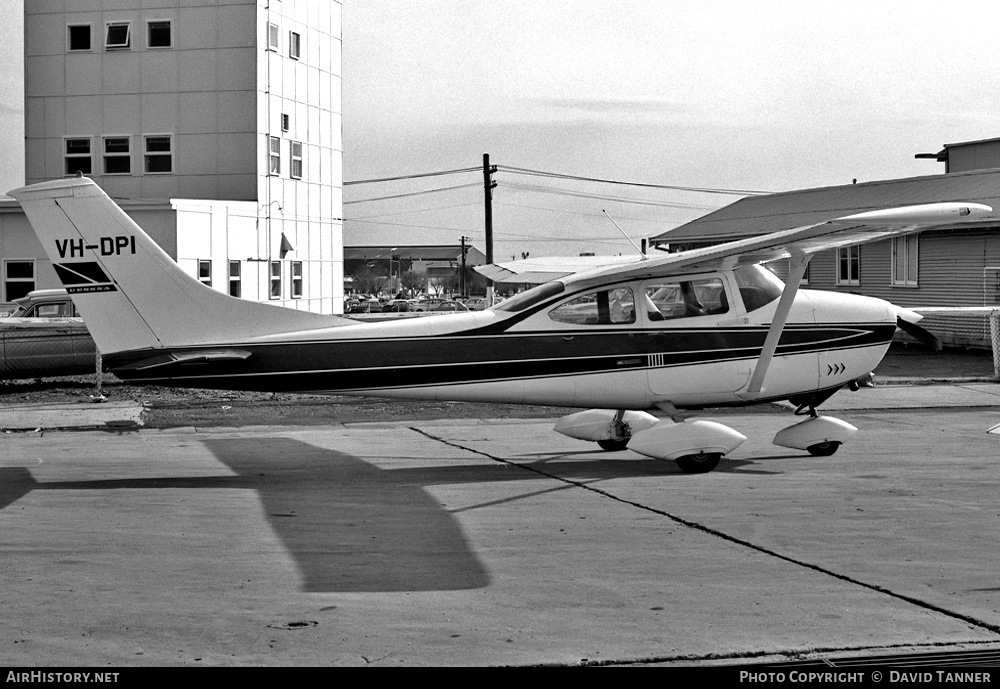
<point>216,124</point>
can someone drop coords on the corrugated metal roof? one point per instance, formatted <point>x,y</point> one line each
<point>758,215</point>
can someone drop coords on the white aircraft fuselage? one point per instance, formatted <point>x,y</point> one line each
<point>528,357</point>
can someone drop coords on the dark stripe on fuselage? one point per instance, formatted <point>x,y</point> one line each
<point>372,364</point>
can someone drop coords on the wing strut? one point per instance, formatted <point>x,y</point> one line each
<point>798,263</point>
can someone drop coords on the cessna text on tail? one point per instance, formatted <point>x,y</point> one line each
<point>702,328</point>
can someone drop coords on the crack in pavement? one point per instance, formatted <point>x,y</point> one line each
<point>726,537</point>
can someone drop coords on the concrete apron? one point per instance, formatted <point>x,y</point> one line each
<point>496,542</point>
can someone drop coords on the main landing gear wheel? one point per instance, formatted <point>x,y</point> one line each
<point>613,445</point>
<point>700,463</point>
<point>823,449</point>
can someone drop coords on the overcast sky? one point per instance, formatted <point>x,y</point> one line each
<point>762,95</point>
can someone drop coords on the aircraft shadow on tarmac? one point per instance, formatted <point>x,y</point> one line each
<point>352,527</point>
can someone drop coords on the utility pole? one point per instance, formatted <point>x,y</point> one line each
<point>488,185</point>
<point>461,275</point>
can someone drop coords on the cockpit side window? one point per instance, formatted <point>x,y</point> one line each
<point>685,299</point>
<point>603,307</point>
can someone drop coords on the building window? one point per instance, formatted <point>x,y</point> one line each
<point>159,34</point>
<point>296,171</point>
<point>117,155</point>
<point>159,154</point>
<point>235,280</point>
<point>118,36</point>
<point>272,37</point>
<point>18,279</point>
<point>78,157</point>
<point>294,45</point>
<point>849,265</point>
<point>205,273</point>
<point>275,280</point>
<point>296,279</point>
<point>286,122</point>
<point>79,37</point>
<point>904,260</point>
<point>274,155</point>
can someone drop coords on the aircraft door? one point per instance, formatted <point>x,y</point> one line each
<point>693,340</point>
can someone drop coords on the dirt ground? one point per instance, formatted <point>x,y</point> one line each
<point>172,407</point>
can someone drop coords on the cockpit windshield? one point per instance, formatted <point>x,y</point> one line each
<point>519,302</point>
<point>758,286</point>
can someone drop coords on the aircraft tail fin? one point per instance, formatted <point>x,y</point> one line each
<point>131,294</point>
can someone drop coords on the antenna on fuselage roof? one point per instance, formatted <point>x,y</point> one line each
<point>641,252</point>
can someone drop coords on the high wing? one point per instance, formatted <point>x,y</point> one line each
<point>860,228</point>
<point>535,271</point>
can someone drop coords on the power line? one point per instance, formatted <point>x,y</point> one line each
<point>414,176</point>
<point>417,210</point>
<point>604,197</point>
<point>704,190</point>
<point>412,193</point>
<point>505,204</point>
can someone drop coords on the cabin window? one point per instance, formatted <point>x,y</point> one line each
<point>849,265</point>
<point>904,260</point>
<point>685,299</point>
<point>18,279</point>
<point>604,307</point>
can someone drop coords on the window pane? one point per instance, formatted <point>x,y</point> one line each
<point>20,270</point>
<point>119,36</point>
<point>117,165</point>
<point>78,165</point>
<point>79,38</point>
<point>156,144</point>
<point>16,290</point>
<point>159,163</point>
<point>159,34</point>
<point>77,146</point>
<point>116,145</point>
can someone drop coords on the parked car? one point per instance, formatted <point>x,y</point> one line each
<point>368,306</point>
<point>477,304</point>
<point>45,336</point>
<point>449,306</point>
<point>396,306</point>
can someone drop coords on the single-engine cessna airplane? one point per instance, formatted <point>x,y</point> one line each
<point>701,328</point>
